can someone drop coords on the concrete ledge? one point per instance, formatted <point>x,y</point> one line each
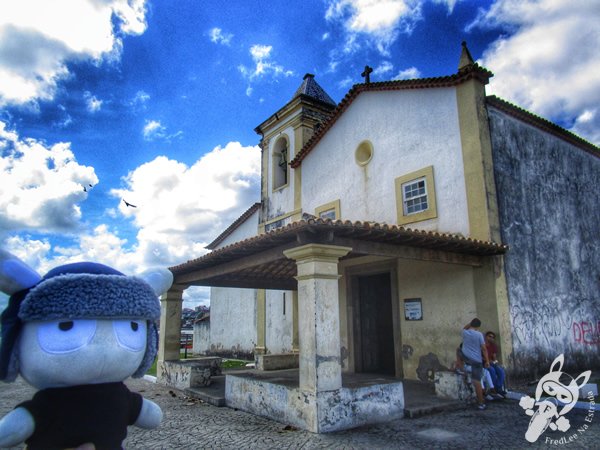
<point>279,361</point>
<point>188,373</point>
<point>453,386</point>
<point>213,394</point>
<point>321,412</point>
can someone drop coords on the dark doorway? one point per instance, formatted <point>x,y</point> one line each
<point>375,325</point>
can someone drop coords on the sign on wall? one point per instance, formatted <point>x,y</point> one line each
<point>413,309</point>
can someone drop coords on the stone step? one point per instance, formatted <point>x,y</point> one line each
<point>213,394</point>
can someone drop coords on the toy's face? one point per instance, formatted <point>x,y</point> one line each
<point>62,353</point>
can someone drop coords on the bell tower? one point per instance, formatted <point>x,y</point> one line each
<point>283,135</point>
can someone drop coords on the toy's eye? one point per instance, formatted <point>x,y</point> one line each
<point>65,336</point>
<point>131,334</point>
<point>65,326</point>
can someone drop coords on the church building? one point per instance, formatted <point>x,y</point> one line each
<point>385,224</point>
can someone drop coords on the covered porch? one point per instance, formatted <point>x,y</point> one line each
<point>309,257</point>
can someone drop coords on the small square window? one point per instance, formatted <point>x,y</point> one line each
<point>415,196</point>
<point>329,214</point>
<point>329,210</point>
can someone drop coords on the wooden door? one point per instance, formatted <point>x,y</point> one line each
<point>376,332</point>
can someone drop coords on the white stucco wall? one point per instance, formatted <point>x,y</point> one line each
<point>233,311</point>
<point>232,320</point>
<point>201,341</point>
<point>245,230</point>
<point>281,201</point>
<point>409,130</point>
<point>279,321</point>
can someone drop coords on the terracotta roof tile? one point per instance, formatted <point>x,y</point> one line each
<point>368,231</point>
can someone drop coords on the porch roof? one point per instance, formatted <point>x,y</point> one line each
<point>259,262</point>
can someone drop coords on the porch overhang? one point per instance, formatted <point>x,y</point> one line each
<point>305,256</point>
<point>259,262</point>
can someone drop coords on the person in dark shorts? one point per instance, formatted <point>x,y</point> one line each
<point>475,354</point>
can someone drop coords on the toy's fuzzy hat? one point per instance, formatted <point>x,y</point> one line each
<point>77,291</point>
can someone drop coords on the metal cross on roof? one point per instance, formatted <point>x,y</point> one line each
<point>367,74</point>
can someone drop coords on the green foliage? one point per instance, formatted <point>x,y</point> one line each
<point>233,363</point>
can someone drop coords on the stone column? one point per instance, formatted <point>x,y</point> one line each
<point>318,315</point>
<point>170,324</point>
<point>261,323</point>
<point>295,347</point>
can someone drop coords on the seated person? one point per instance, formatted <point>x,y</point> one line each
<point>489,391</point>
<point>496,370</point>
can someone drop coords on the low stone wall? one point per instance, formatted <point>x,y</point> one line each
<point>279,361</point>
<point>321,412</point>
<point>453,385</point>
<point>188,373</point>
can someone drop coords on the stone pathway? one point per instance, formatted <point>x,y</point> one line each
<point>191,424</point>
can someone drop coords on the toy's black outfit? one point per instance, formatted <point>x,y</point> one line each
<point>71,416</point>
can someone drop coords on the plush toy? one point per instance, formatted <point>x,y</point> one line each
<point>75,335</point>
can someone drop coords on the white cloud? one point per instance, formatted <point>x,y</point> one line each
<point>92,103</point>
<point>181,208</point>
<point>218,37</point>
<point>42,185</point>
<point>38,37</point>
<point>408,74</point>
<point>374,23</point>
<point>33,252</point>
<point>549,61</point>
<point>101,246</point>
<point>153,130</point>
<point>98,245</point>
<point>140,99</point>
<point>383,69</point>
<point>263,65</point>
<point>345,83</point>
<point>379,21</point>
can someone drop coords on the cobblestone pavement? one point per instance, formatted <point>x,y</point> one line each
<point>190,424</point>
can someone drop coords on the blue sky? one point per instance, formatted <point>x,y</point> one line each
<point>155,102</point>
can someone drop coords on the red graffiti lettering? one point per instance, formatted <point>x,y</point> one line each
<point>585,332</point>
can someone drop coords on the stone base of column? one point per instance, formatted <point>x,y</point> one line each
<point>320,412</point>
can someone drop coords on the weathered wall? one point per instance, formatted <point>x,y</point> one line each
<point>232,330</point>
<point>548,200</point>
<point>279,317</point>
<point>233,322</point>
<point>322,412</point>
<point>201,345</point>
<point>448,302</point>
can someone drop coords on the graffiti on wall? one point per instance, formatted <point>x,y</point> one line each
<point>548,324</point>
<point>586,332</point>
<point>539,324</point>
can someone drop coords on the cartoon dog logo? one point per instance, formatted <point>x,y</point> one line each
<point>549,413</point>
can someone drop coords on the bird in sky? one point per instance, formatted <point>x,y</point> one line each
<point>129,204</point>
